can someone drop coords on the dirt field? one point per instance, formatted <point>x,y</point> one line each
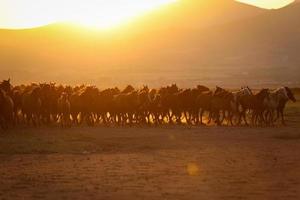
<point>152,163</point>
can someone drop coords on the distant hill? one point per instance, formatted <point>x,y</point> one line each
<point>189,42</point>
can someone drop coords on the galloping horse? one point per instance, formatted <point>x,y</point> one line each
<point>6,86</point>
<point>6,110</point>
<point>282,104</point>
<point>222,102</point>
<point>64,110</point>
<point>254,102</point>
<point>276,102</point>
<point>233,106</point>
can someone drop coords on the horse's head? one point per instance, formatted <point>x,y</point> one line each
<point>249,90</point>
<point>6,86</point>
<point>36,92</point>
<point>173,88</point>
<point>202,88</point>
<point>290,94</point>
<point>219,90</point>
<point>128,89</point>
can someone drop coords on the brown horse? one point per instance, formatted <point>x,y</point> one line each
<point>223,102</point>
<point>170,103</point>
<point>6,86</point>
<point>204,101</point>
<point>282,104</point>
<point>254,103</point>
<point>64,110</point>
<point>31,106</point>
<point>49,97</point>
<point>276,102</point>
<point>6,110</point>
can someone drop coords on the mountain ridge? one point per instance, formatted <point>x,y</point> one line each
<point>264,41</point>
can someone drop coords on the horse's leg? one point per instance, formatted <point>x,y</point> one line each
<point>223,116</point>
<point>231,115</point>
<point>185,117</point>
<point>201,117</point>
<point>60,120</point>
<point>245,117</point>
<point>277,115</point>
<point>270,118</point>
<point>210,116</point>
<point>216,116</point>
<point>282,118</point>
<point>255,113</point>
<point>266,117</point>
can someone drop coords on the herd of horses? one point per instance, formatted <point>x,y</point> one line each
<point>48,103</point>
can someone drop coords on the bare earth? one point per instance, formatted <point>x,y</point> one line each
<point>170,162</point>
<point>151,163</point>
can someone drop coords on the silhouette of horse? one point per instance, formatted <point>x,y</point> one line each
<point>46,102</point>
<point>238,108</point>
<point>204,101</point>
<point>254,103</point>
<point>64,110</point>
<point>6,86</point>
<point>170,103</point>
<point>143,110</point>
<point>6,110</point>
<point>49,98</point>
<point>31,106</point>
<point>223,102</point>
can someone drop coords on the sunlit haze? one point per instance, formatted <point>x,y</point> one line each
<point>93,13</point>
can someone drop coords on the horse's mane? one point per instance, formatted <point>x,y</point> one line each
<point>288,90</point>
<point>290,94</point>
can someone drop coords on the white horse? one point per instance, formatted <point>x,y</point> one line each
<point>274,100</point>
<point>237,107</point>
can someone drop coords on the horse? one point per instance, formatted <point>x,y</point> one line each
<point>143,110</point>
<point>203,101</point>
<point>6,86</point>
<point>155,107</point>
<point>169,103</point>
<point>89,104</point>
<point>222,102</point>
<point>64,110</point>
<point>49,97</point>
<point>126,105</point>
<point>17,93</point>
<point>254,103</point>
<point>6,110</point>
<point>31,105</point>
<point>237,107</point>
<point>276,102</point>
<point>105,105</point>
<point>282,104</point>
<point>235,113</point>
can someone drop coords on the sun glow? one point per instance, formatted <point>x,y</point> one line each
<point>113,13</point>
<point>93,13</point>
<point>268,3</point>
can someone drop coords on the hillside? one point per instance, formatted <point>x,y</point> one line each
<point>212,42</point>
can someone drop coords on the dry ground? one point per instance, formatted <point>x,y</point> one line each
<point>152,163</point>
